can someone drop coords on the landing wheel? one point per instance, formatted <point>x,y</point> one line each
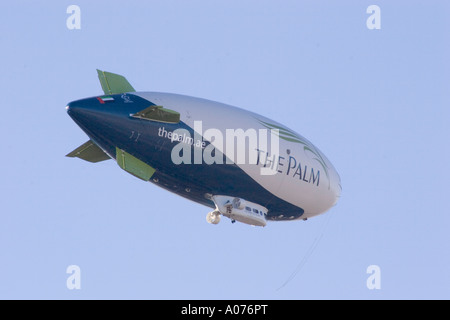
<point>213,217</point>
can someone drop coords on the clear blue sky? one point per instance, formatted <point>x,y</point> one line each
<point>376,102</point>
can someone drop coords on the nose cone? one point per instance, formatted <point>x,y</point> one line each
<point>105,107</point>
<point>98,114</point>
<point>73,110</point>
<point>80,109</point>
<point>106,119</point>
<point>95,117</point>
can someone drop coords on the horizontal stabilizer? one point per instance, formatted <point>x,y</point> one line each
<point>133,165</point>
<point>89,151</point>
<point>158,113</point>
<point>114,83</point>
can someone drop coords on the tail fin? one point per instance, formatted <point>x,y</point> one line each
<point>114,83</point>
<point>89,151</point>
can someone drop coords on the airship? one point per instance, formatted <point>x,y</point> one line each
<point>242,165</point>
